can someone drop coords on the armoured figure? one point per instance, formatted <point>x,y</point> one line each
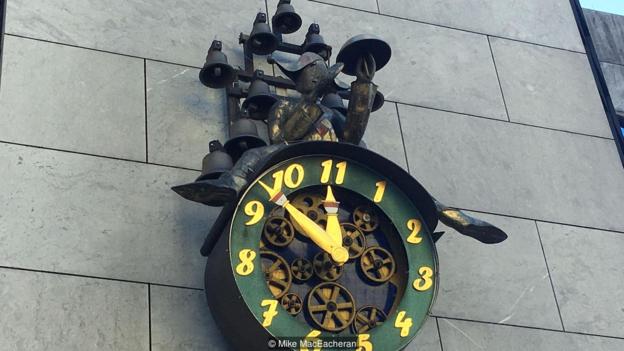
<point>292,120</point>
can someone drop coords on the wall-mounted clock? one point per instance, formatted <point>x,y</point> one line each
<point>330,240</point>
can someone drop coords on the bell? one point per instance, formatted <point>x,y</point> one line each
<point>359,46</point>
<point>286,20</point>
<point>314,42</point>
<point>261,40</point>
<point>243,136</point>
<point>215,162</point>
<point>378,101</point>
<point>217,73</point>
<point>259,98</point>
<point>334,101</point>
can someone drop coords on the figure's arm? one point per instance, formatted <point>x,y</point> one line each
<point>302,116</point>
<point>306,112</point>
<point>363,92</point>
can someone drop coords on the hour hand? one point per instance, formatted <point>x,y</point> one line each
<point>339,254</point>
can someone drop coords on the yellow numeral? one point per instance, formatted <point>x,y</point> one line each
<point>270,313</point>
<point>246,266</point>
<point>311,337</point>
<point>425,281</point>
<point>363,343</point>
<point>289,179</point>
<point>379,193</point>
<point>255,210</point>
<point>414,225</point>
<point>327,170</point>
<point>403,323</point>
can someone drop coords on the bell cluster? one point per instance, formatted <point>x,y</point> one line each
<point>258,98</point>
<point>217,73</point>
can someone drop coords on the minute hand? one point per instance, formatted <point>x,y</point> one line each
<point>339,254</point>
<point>320,237</point>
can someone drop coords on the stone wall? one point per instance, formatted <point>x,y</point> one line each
<point>607,31</point>
<point>492,106</point>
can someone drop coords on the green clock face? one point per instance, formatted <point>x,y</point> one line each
<point>323,246</point>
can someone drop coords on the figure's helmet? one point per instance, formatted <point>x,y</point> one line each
<point>293,69</point>
<point>309,73</point>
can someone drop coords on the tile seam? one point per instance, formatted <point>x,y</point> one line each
<point>450,27</point>
<point>396,106</point>
<point>500,85</point>
<point>98,156</point>
<point>99,50</point>
<point>145,103</point>
<point>611,63</point>
<point>500,120</point>
<point>334,5</point>
<point>149,313</point>
<point>552,284</point>
<point>198,170</point>
<point>530,327</point>
<point>439,333</point>
<point>540,220</point>
<point>97,277</point>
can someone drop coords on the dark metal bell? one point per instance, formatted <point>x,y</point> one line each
<point>378,101</point>
<point>334,101</point>
<point>243,136</point>
<point>215,162</point>
<point>286,20</point>
<point>315,43</point>
<point>358,47</point>
<point>217,73</point>
<point>261,40</point>
<point>259,99</point>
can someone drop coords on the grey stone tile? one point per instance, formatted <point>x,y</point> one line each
<point>71,213</point>
<point>181,321</point>
<point>504,168</point>
<point>427,339</point>
<point>549,87</point>
<point>366,5</point>
<point>468,336</point>
<point>183,115</point>
<point>63,99</point>
<point>384,134</point>
<point>503,283</point>
<point>607,32</point>
<point>546,22</point>
<point>587,267</point>
<point>52,312</point>
<point>614,75</point>
<point>150,29</point>
<point>431,66</point>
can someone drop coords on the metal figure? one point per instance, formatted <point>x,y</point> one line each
<point>310,117</point>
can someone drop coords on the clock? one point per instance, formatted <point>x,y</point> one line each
<point>329,241</point>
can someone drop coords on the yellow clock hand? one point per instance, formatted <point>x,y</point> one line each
<point>333,225</point>
<point>339,254</point>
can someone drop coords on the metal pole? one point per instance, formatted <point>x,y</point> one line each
<point>594,62</point>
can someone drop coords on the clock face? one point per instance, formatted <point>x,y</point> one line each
<point>323,246</point>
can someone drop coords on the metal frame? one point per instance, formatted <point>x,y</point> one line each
<point>616,122</point>
<point>3,6</point>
